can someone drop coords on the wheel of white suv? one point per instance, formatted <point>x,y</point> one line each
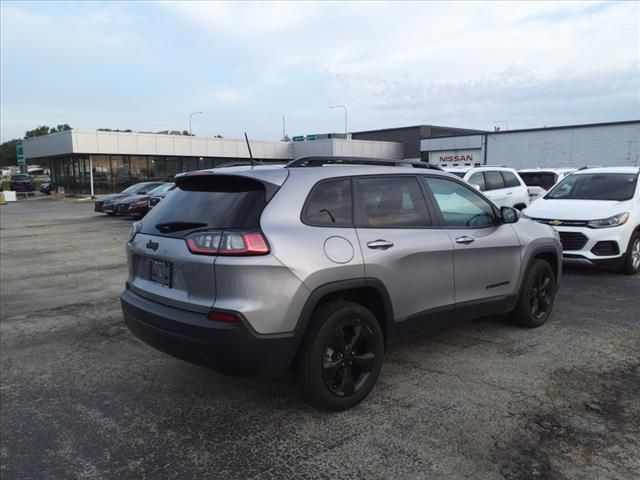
<point>631,264</point>
<point>341,356</point>
<point>537,295</point>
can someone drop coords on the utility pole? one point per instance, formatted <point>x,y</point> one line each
<point>345,117</point>
<point>191,115</point>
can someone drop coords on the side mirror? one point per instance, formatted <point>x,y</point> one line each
<point>509,215</point>
<point>477,187</point>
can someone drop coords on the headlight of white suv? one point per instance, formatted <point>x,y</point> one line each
<point>614,221</point>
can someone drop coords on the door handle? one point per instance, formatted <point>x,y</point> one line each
<point>380,244</point>
<point>464,240</point>
<point>509,193</point>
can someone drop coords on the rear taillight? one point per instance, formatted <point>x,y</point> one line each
<point>226,317</point>
<point>227,243</point>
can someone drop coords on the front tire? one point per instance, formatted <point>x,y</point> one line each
<point>537,295</point>
<point>341,356</point>
<point>631,264</point>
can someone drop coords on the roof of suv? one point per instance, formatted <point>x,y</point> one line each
<point>277,174</point>
<point>481,168</point>
<point>608,170</point>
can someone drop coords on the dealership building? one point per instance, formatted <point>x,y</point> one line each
<point>102,162</point>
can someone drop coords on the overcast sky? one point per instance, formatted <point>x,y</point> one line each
<point>145,66</point>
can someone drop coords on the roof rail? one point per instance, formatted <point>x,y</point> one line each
<point>316,161</point>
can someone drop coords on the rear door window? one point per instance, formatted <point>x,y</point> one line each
<point>330,204</point>
<point>392,202</point>
<point>510,179</point>
<point>208,201</point>
<point>494,180</point>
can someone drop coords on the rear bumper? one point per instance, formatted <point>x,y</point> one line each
<point>231,349</point>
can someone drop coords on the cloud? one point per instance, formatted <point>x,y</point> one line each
<point>248,63</point>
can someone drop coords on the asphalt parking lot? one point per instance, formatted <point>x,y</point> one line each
<point>82,398</point>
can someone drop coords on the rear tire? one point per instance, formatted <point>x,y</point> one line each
<point>537,295</point>
<point>631,265</point>
<point>341,356</point>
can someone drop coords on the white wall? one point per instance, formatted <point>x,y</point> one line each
<point>616,144</point>
<point>348,148</point>
<point>570,147</point>
<point>117,143</point>
<point>121,143</point>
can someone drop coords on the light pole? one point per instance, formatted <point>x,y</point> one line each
<point>345,116</point>
<point>191,115</point>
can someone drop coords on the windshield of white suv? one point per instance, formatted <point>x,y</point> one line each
<point>595,186</point>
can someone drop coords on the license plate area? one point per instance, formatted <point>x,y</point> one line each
<point>160,272</point>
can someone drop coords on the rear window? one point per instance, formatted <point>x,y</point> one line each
<point>544,180</point>
<point>20,177</point>
<point>595,186</point>
<point>208,201</point>
<point>478,179</point>
<point>330,204</point>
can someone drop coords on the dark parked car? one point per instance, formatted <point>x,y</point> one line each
<point>138,205</point>
<point>106,203</point>
<point>158,197</point>
<point>47,187</point>
<point>21,182</point>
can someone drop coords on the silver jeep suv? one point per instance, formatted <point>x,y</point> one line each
<point>319,263</point>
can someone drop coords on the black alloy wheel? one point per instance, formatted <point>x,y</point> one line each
<point>541,293</point>
<point>537,295</point>
<point>341,356</point>
<point>349,358</point>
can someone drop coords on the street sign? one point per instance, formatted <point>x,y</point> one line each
<point>311,137</point>
<point>20,153</point>
<point>298,139</point>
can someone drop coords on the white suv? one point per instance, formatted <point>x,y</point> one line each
<point>502,185</point>
<point>540,180</point>
<point>597,213</point>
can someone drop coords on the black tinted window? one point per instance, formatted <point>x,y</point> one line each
<point>218,201</point>
<point>460,206</point>
<point>330,204</point>
<point>478,179</point>
<point>510,180</point>
<point>494,180</point>
<point>392,202</point>
<point>544,180</point>
<point>596,186</point>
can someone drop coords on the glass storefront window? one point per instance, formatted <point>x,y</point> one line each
<point>156,168</point>
<point>139,169</point>
<point>121,174</point>
<point>101,173</point>
<point>173,167</point>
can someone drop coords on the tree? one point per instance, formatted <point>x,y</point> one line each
<point>8,156</point>
<point>128,130</point>
<point>37,132</point>
<point>46,130</point>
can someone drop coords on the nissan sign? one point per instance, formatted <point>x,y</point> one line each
<point>455,157</point>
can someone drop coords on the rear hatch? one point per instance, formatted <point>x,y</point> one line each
<point>172,256</point>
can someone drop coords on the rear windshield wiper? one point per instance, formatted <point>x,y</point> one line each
<point>177,226</point>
